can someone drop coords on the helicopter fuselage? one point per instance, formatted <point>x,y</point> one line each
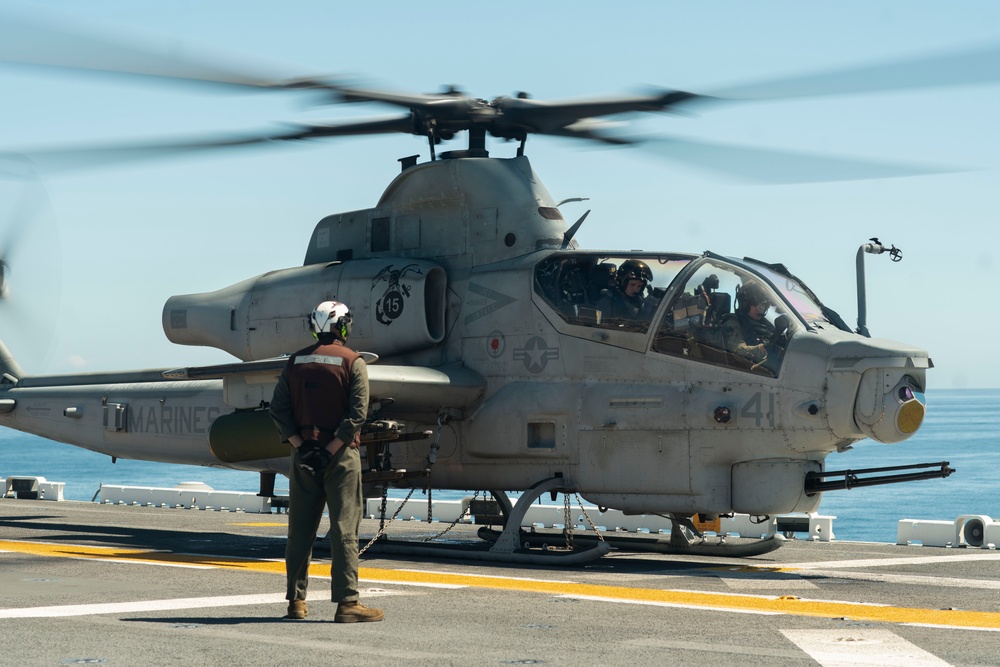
<point>487,320</point>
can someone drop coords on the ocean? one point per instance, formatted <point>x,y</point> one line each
<point>962,426</point>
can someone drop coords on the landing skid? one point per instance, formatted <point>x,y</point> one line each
<point>485,552</point>
<point>677,544</point>
<point>729,548</point>
<point>515,545</point>
<point>507,545</point>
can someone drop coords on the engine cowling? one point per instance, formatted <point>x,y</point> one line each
<point>398,305</point>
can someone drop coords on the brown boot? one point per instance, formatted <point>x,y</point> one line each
<point>355,612</point>
<point>297,610</point>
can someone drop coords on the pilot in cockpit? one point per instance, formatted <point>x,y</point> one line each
<point>626,299</point>
<point>747,332</point>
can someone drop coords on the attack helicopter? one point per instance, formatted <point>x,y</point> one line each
<point>497,364</point>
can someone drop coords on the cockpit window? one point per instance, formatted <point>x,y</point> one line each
<point>802,301</point>
<point>608,292</point>
<point>727,317</point>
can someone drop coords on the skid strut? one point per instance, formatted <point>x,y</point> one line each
<point>508,546</point>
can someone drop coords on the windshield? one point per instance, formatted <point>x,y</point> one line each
<point>802,300</point>
<point>607,291</point>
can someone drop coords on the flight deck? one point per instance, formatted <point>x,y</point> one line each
<point>88,583</point>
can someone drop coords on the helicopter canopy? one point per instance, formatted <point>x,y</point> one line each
<point>707,312</point>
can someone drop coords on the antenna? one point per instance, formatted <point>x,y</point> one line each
<point>571,232</point>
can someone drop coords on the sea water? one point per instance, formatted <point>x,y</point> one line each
<point>962,427</point>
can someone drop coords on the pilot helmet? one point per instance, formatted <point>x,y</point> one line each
<point>633,269</point>
<point>331,317</point>
<point>753,294</point>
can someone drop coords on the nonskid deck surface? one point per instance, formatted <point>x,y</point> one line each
<point>84,583</point>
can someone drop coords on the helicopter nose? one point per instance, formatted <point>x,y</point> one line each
<point>889,408</point>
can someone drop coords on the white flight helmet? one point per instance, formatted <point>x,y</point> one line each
<point>331,317</point>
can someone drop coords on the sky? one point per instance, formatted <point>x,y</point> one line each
<point>108,246</point>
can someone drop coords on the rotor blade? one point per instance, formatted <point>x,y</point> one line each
<point>947,69</point>
<point>68,159</point>
<point>346,93</point>
<point>83,157</point>
<point>759,165</point>
<point>16,166</point>
<point>545,117</point>
<point>388,125</point>
<point>596,131</point>
<point>27,40</point>
<point>950,69</point>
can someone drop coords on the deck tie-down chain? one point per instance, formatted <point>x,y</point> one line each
<point>586,516</point>
<point>466,512</point>
<point>431,458</point>
<point>569,522</point>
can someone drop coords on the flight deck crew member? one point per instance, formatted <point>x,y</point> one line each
<point>746,332</point>
<point>625,301</point>
<point>319,405</point>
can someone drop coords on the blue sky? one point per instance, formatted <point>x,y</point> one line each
<point>114,243</point>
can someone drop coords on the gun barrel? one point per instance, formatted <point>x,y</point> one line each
<point>818,482</point>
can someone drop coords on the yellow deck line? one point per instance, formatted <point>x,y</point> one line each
<point>261,524</point>
<point>791,605</point>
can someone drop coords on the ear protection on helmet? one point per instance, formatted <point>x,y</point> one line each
<point>331,317</point>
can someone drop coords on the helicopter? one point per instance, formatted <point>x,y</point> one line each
<point>495,364</point>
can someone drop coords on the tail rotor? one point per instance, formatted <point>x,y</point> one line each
<point>30,262</point>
